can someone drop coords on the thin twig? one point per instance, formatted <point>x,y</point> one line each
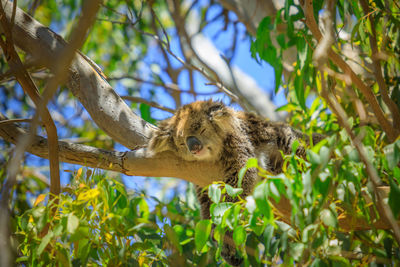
<point>15,121</point>
<point>150,103</point>
<point>183,62</point>
<point>154,15</point>
<point>167,86</point>
<point>172,71</point>
<point>242,100</point>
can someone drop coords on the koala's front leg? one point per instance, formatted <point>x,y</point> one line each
<point>235,156</point>
<point>286,135</point>
<point>205,202</point>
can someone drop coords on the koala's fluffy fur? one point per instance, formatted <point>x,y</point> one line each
<point>211,131</point>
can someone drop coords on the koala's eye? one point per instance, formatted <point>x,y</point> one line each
<point>202,131</point>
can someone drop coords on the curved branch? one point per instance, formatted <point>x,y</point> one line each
<point>104,105</point>
<point>138,162</point>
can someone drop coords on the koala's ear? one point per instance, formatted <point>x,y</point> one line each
<point>217,110</point>
<point>224,117</point>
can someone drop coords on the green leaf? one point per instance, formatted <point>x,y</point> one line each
<point>328,218</point>
<point>145,113</point>
<point>396,174</point>
<point>45,241</point>
<point>214,192</point>
<point>324,154</point>
<point>299,90</point>
<point>255,224</point>
<point>233,192</point>
<point>202,233</point>
<point>173,237</point>
<point>22,259</point>
<point>394,198</point>
<point>239,235</point>
<point>250,204</point>
<point>252,163</point>
<point>261,197</point>
<point>241,174</point>
<point>83,248</point>
<point>58,230</point>
<point>218,211</point>
<point>302,53</point>
<point>274,191</point>
<point>268,235</point>
<point>81,233</point>
<point>286,228</point>
<point>143,211</point>
<point>314,157</point>
<point>392,153</point>
<point>295,145</point>
<point>72,224</point>
<point>355,30</point>
<point>308,232</point>
<point>296,250</point>
<point>266,51</point>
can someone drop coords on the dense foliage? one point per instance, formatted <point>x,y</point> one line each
<point>98,221</point>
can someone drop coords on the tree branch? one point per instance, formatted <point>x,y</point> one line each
<point>375,55</point>
<point>104,105</point>
<point>147,102</point>
<point>29,87</point>
<point>320,58</point>
<point>392,133</point>
<point>138,162</point>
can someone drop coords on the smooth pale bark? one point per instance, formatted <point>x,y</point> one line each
<point>138,162</point>
<point>104,105</point>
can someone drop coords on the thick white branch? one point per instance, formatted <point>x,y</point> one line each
<point>137,162</point>
<point>104,105</point>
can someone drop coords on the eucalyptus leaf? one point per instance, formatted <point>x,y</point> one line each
<point>202,233</point>
<point>214,192</point>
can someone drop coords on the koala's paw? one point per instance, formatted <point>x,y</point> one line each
<point>230,256</point>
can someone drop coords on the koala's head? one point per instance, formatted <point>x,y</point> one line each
<point>196,131</point>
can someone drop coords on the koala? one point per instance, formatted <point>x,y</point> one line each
<point>211,131</point>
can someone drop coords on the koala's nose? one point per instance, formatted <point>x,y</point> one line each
<point>194,144</point>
